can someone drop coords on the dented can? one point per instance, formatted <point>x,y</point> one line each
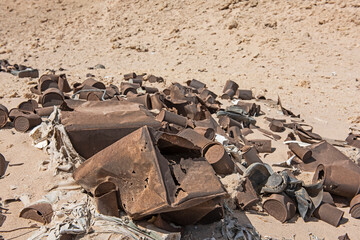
<point>280,206</point>
<point>328,213</point>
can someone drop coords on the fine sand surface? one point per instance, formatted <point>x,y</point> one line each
<point>307,52</point>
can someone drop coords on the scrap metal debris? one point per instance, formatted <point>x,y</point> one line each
<point>151,161</point>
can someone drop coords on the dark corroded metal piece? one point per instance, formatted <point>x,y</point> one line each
<point>46,111</point>
<point>2,219</point>
<point>229,90</point>
<point>3,165</point>
<point>4,115</point>
<point>93,126</point>
<point>353,140</point>
<point>244,94</point>
<point>341,178</point>
<point>261,145</point>
<point>106,198</point>
<point>172,118</point>
<point>250,155</point>
<point>126,87</point>
<point>153,173</point>
<point>276,126</point>
<point>29,105</point>
<point>162,224</point>
<point>322,153</point>
<point>141,99</point>
<point>328,213</point>
<point>197,139</point>
<point>90,82</point>
<point>355,207</point>
<point>227,122</point>
<point>195,84</point>
<point>52,97</point>
<point>41,212</point>
<point>207,132</point>
<point>204,213</point>
<point>219,159</point>
<point>26,122</point>
<point>156,102</point>
<point>129,76</point>
<point>280,206</point>
<point>248,197</point>
<point>213,152</point>
<point>303,153</point>
<point>150,89</point>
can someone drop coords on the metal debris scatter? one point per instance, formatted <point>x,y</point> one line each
<point>149,161</point>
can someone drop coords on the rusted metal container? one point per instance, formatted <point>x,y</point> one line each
<point>328,213</point>
<point>250,155</point>
<point>195,84</point>
<point>52,97</point>
<point>29,105</point>
<point>207,132</point>
<point>303,153</point>
<point>248,197</point>
<point>244,94</point>
<point>276,126</point>
<point>141,99</point>
<point>341,178</point>
<point>355,207</point>
<point>230,89</point>
<point>106,198</point>
<point>280,206</point>
<point>153,172</point>
<point>93,126</point>
<point>25,122</point>
<point>172,118</point>
<point>156,102</point>
<point>4,116</point>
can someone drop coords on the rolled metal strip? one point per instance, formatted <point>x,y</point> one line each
<point>230,85</point>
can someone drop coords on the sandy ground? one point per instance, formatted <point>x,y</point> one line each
<point>307,52</point>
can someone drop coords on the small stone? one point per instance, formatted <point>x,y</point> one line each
<point>233,24</point>
<point>99,66</point>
